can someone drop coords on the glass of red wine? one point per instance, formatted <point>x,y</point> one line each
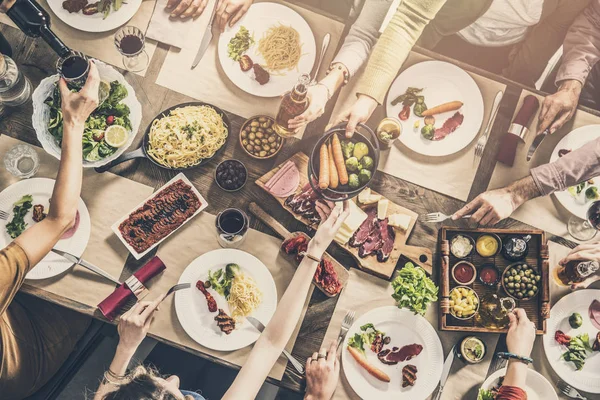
<point>586,229</point>
<point>232,226</point>
<point>130,42</point>
<point>74,68</point>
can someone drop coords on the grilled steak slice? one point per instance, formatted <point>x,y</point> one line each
<point>225,323</point>
<point>387,241</point>
<point>396,355</point>
<point>210,300</point>
<point>38,213</point>
<point>409,375</point>
<point>260,74</point>
<point>377,344</point>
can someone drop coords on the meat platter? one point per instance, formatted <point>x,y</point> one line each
<point>157,217</point>
<point>331,276</point>
<point>374,244</point>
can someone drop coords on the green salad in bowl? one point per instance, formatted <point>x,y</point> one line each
<point>112,111</point>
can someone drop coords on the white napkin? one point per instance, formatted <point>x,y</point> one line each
<point>175,31</point>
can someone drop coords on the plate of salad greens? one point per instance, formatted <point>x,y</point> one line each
<point>536,386</point>
<point>577,199</point>
<point>27,203</point>
<point>383,331</point>
<point>413,289</point>
<point>108,131</point>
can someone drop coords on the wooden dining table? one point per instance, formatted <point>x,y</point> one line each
<point>37,61</point>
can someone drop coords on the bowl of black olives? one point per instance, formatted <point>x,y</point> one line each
<point>521,282</point>
<point>231,175</point>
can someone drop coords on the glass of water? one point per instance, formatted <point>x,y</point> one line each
<point>22,161</point>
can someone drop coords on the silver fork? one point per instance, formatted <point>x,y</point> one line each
<point>569,391</point>
<point>3,215</point>
<point>346,324</point>
<point>484,138</point>
<point>178,287</point>
<point>435,217</point>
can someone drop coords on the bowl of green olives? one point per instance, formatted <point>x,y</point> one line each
<point>521,281</point>
<point>258,139</point>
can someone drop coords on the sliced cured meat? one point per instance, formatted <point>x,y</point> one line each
<point>260,74</point>
<point>304,204</point>
<point>396,355</point>
<point>594,314</point>
<point>210,300</point>
<point>327,277</point>
<point>287,165</point>
<point>388,236</point>
<point>370,246</point>
<point>562,338</point>
<point>596,345</point>
<point>71,231</point>
<point>225,323</point>
<point>409,375</point>
<point>287,183</point>
<point>449,126</point>
<point>365,231</point>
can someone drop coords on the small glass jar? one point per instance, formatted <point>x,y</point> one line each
<point>22,161</point>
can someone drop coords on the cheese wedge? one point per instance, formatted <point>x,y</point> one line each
<point>364,195</point>
<point>400,221</point>
<point>382,207</point>
<point>351,224</point>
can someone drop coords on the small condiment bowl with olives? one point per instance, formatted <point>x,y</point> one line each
<point>258,138</point>
<point>231,175</point>
<point>520,281</point>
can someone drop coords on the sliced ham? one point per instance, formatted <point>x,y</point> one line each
<point>287,165</point>
<point>594,313</point>
<point>287,183</point>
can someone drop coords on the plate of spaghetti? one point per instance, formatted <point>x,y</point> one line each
<point>228,285</point>
<point>267,50</point>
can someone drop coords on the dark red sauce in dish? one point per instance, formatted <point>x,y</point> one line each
<point>489,275</point>
<point>463,273</point>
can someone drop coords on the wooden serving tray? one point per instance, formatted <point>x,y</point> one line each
<point>537,308</point>
<point>419,255</point>
<point>261,214</point>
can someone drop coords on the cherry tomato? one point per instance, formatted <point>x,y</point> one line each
<point>110,119</point>
<point>405,113</point>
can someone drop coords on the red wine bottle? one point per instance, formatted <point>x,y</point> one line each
<point>34,21</point>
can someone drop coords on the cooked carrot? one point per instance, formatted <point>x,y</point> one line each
<point>323,167</point>
<point>338,158</point>
<point>362,361</point>
<point>451,106</point>
<point>334,179</point>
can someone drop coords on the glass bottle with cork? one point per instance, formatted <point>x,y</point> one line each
<point>292,104</point>
<point>575,271</point>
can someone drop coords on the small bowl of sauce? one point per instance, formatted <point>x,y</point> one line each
<point>462,246</point>
<point>471,350</point>
<point>488,245</point>
<point>464,273</point>
<point>489,275</point>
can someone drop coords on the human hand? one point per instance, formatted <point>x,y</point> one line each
<point>322,375</point>
<point>490,207</point>
<point>559,107</point>
<point>134,324</point>
<point>324,208</point>
<point>186,8</point>
<point>360,112</point>
<point>327,230</point>
<point>584,252</point>
<point>318,96</point>
<point>232,11</point>
<point>77,106</point>
<point>521,333</point>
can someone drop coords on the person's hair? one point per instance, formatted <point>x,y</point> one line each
<point>140,384</point>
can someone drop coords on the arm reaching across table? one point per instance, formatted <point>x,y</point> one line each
<point>493,206</point>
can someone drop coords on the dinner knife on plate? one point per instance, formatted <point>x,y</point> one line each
<point>208,35</point>
<point>536,143</point>
<point>445,372</point>
<point>79,261</point>
<point>260,327</point>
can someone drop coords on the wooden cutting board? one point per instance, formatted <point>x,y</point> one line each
<point>261,214</point>
<point>419,255</point>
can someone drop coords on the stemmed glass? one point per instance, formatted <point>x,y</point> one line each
<point>130,42</point>
<point>586,229</point>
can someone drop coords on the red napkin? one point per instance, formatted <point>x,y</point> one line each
<point>117,299</point>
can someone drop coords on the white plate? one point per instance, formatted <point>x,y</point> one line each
<point>41,113</point>
<point>41,190</point>
<point>192,310</point>
<point>115,226</point>
<point>404,328</point>
<point>441,82</point>
<point>573,140</point>
<point>588,379</point>
<point>536,386</point>
<point>96,23</point>
<point>259,18</point>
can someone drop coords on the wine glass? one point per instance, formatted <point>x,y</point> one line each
<point>74,68</point>
<point>130,42</point>
<point>585,229</point>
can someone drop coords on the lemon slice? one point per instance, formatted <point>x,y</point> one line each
<point>103,91</point>
<point>116,136</point>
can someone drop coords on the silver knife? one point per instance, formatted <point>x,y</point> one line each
<point>260,327</point>
<point>208,35</point>
<point>536,142</point>
<point>445,372</point>
<point>79,261</point>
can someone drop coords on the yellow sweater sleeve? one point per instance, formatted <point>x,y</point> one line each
<point>404,29</point>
